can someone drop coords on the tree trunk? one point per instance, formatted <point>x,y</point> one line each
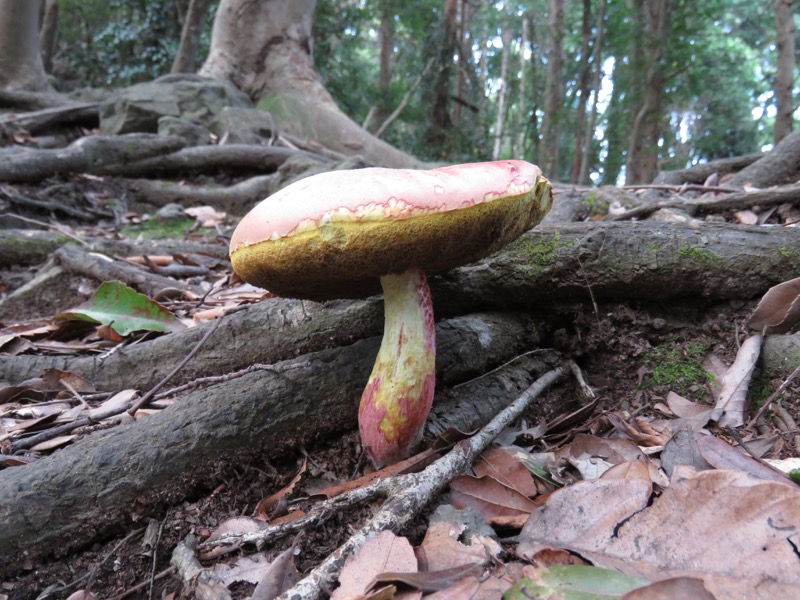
<point>437,136</point>
<point>20,60</point>
<point>264,48</point>
<point>554,90</point>
<point>518,138</point>
<point>588,134</point>
<point>48,33</point>
<point>186,57</point>
<point>784,77</point>
<point>583,88</point>
<point>505,36</point>
<point>641,165</point>
<point>386,34</point>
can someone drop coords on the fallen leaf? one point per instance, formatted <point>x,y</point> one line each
<point>124,309</point>
<point>249,568</point>
<point>441,548</point>
<point>502,465</point>
<point>719,523</point>
<point>278,577</point>
<point>724,456</point>
<point>573,582</point>
<point>732,399</point>
<point>779,309</point>
<point>668,589</point>
<point>385,552</point>
<point>266,505</point>
<point>431,581</point>
<point>489,498</point>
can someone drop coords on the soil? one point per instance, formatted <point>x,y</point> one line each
<point>624,350</point>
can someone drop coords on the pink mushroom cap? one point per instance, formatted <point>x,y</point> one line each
<point>333,235</point>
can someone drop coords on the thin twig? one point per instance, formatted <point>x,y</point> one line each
<point>144,400</point>
<point>775,394</point>
<point>57,228</point>
<point>415,491</point>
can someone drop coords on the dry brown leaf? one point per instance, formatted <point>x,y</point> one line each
<point>669,589</point>
<point>724,523</point>
<point>635,469</point>
<point>779,309</point>
<point>489,498</point>
<point>249,568</point>
<point>501,464</point>
<point>721,455</point>
<point>278,577</point>
<point>384,553</point>
<point>236,526</point>
<point>441,548</point>
<point>56,442</point>
<point>431,581</point>
<point>732,399</point>
<point>266,505</point>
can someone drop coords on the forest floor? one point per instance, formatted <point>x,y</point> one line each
<point>635,356</point>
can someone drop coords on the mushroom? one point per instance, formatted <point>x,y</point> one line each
<point>340,234</point>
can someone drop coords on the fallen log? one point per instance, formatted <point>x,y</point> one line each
<point>230,157</point>
<point>87,155</point>
<point>69,498</point>
<point>700,173</point>
<point>779,166</point>
<point>235,199</point>
<point>25,247</point>
<point>540,271</point>
<point>734,201</point>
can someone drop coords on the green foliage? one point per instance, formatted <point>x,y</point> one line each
<point>120,42</point>
<point>718,71</point>
<point>124,310</point>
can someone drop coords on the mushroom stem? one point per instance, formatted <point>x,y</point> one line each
<point>399,393</point>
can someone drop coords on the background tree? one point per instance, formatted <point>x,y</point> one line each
<point>265,49</point>
<point>554,85</point>
<point>185,60</point>
<point>21,66</point>
<point>784,78</point>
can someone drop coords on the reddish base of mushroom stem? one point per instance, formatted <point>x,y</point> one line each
<point>399,393</point>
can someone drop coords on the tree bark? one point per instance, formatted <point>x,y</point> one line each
<point>48,33</point>
<point>778,166</point>
<point>581,119</point>
<point>701,172</point>
<point>264,48</point>
<point>641,165</point>
<point>588,134</point>
<point>784,77</point>
<point>440,122</point>
<point>505,36</point>
<point>185,60</point>
<point>82,491</point>
<point>554,90</point>
<point>88,154</point>
<point>20,60</point>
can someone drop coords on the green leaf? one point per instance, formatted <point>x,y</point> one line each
<point>574,582</point>
<point>124,310</point>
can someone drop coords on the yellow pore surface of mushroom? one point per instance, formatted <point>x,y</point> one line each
<point>343,257</point>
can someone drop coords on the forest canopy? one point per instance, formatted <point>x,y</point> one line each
<point>700,76</point>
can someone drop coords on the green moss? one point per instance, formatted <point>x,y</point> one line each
<point>697,254</point>
<point>680,368</point>
<point>785,252</point>
<point>535,253</point>
<point>159,230</point>
<point>593,205</point>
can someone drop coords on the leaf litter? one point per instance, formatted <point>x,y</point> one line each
<point>619,521</point>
